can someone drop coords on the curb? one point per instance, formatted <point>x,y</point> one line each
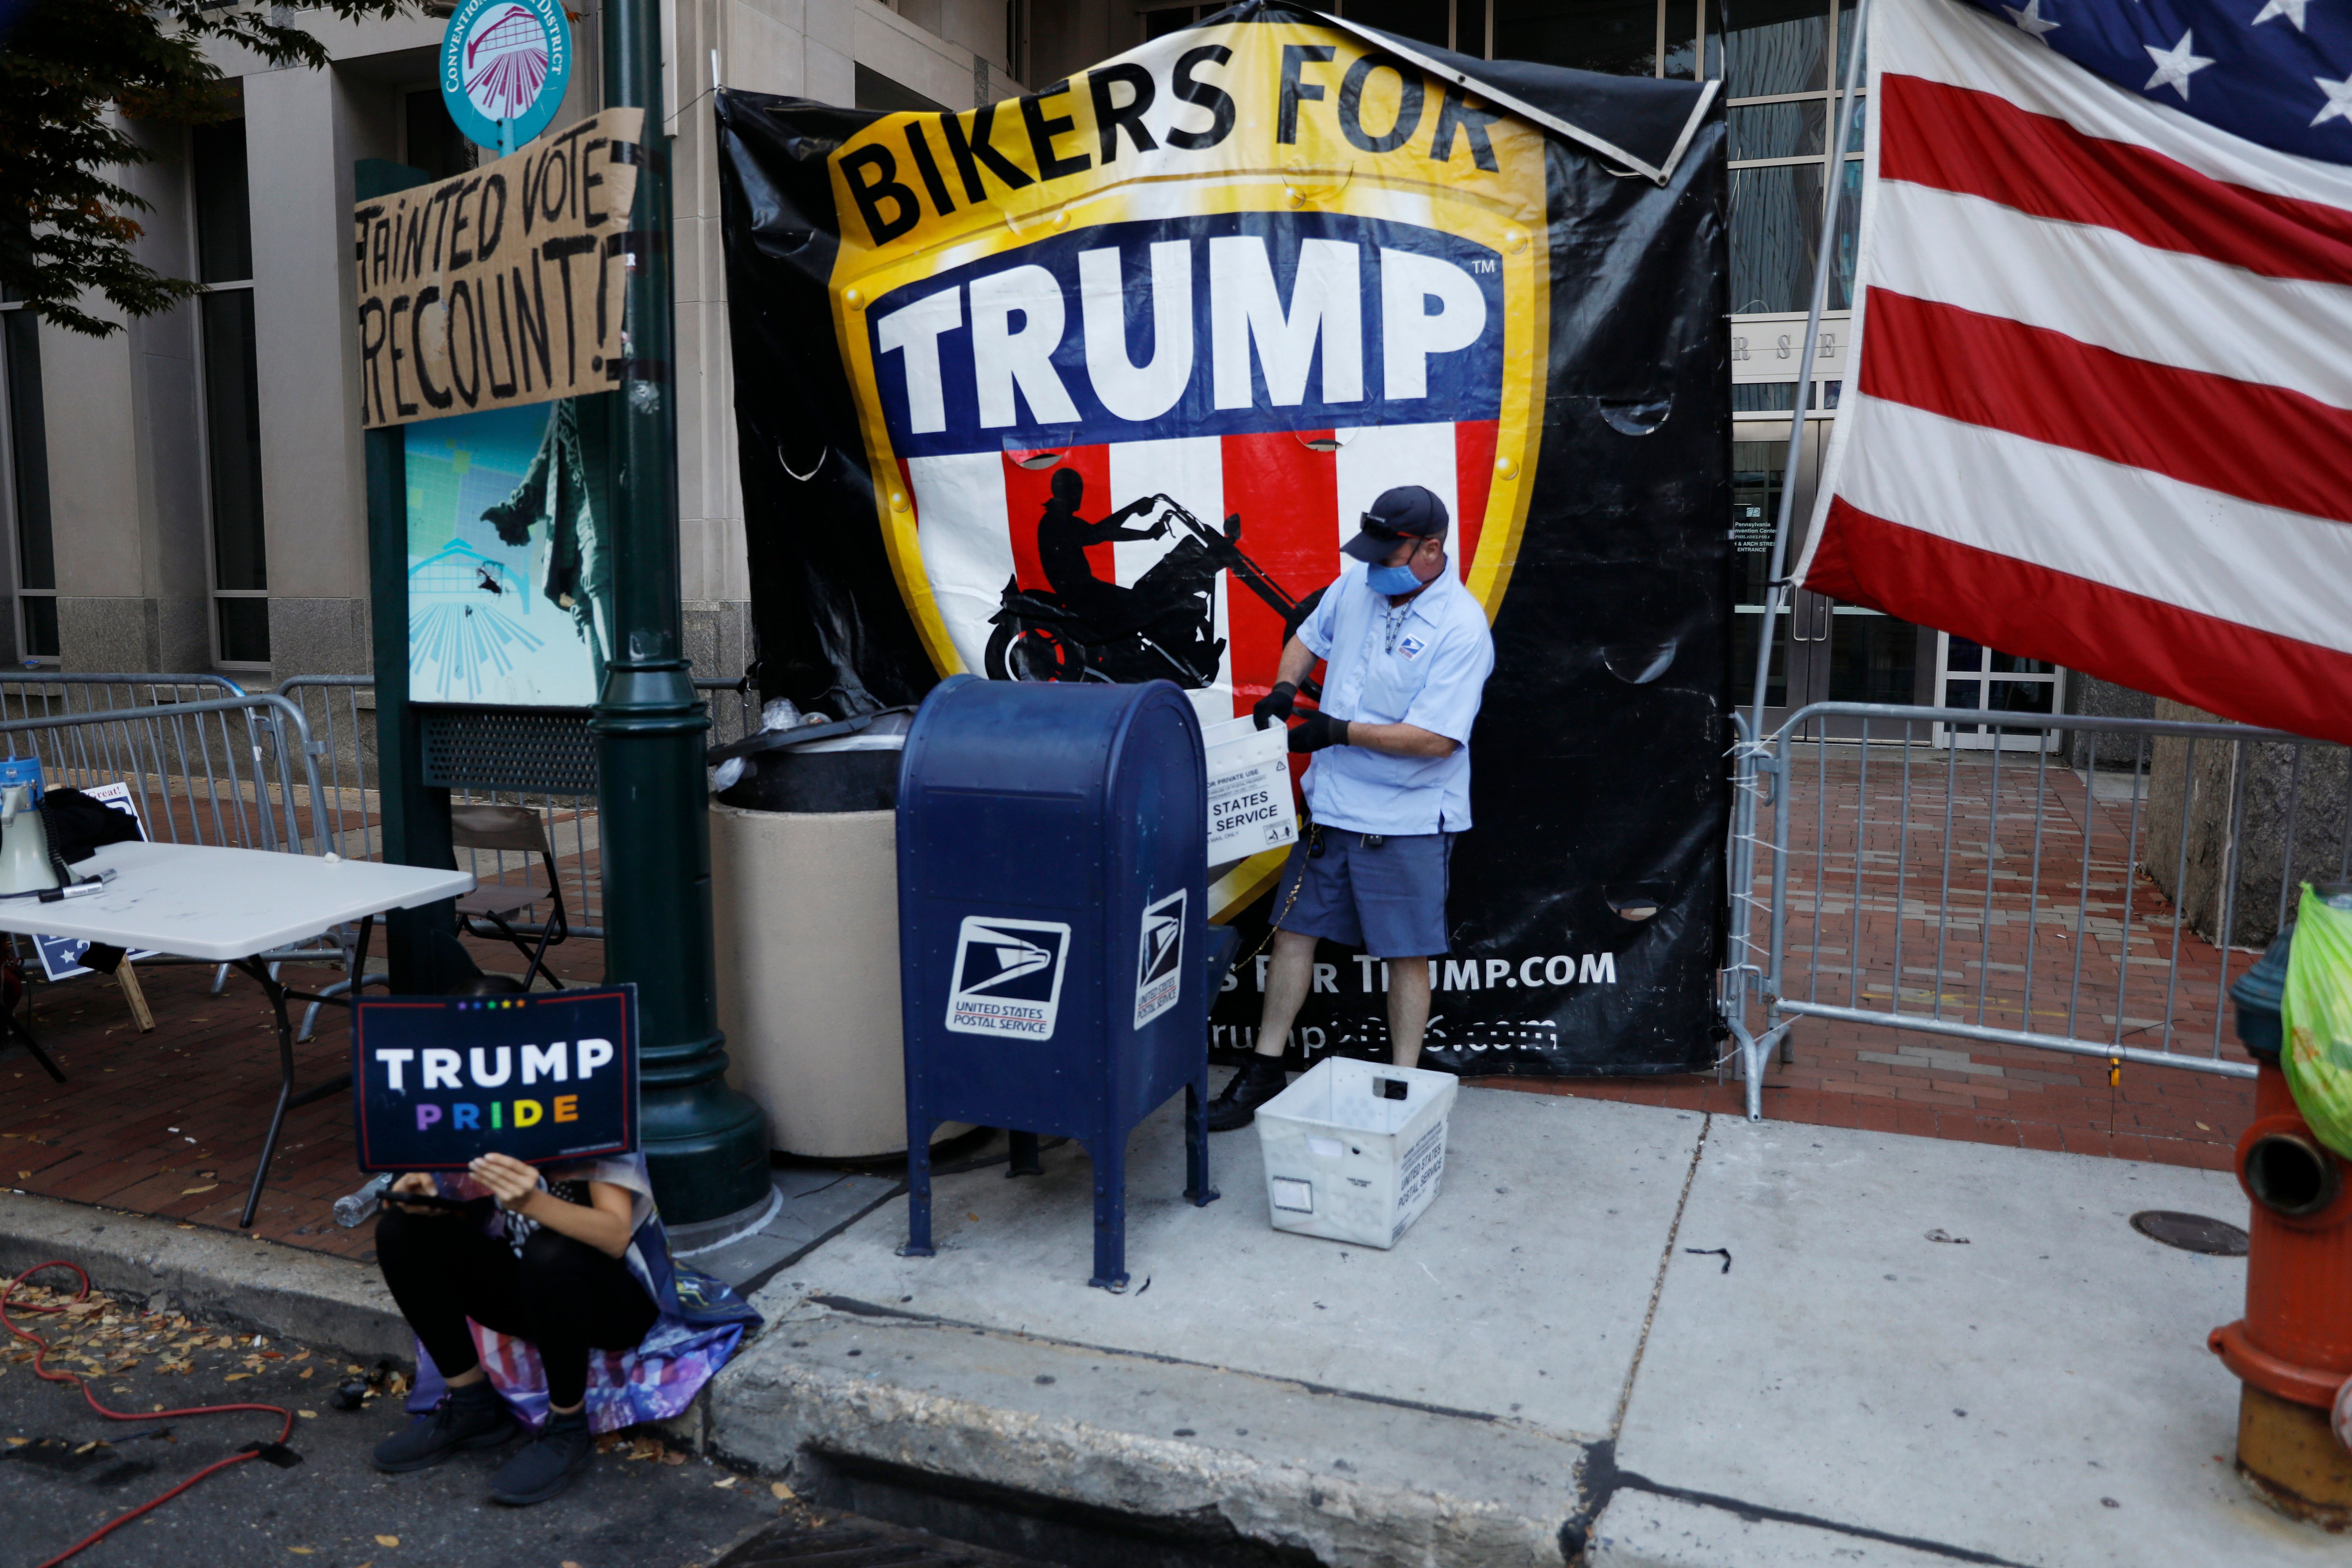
<point>254,1286</point>
<point>1067,1439</point>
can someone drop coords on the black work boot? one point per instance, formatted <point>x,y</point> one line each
<point>561,1451</point>
<point>473,1416</point>
<point>1260,1080</point>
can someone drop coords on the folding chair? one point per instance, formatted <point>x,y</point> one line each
<point>518,828</point>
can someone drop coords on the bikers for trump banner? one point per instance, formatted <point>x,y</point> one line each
<point>1093,384</point>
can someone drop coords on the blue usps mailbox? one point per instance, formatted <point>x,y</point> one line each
<point>1052,917</point>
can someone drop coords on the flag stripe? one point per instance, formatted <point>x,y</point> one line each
<point>2098,287</point>
<point>1936,135</point>
<point>1968,49</point>
<point>967,554</point>
<point>1272,476</point>
<point>2206,660</point>
<point>2260,443</point>
<point>2141,531</point>
<point>1474,465</point>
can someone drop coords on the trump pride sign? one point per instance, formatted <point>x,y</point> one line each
<point>436,1080</point>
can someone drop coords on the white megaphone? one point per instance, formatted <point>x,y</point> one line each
<point>25,864</point>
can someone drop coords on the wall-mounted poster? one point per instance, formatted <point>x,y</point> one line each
<point>509,571</point>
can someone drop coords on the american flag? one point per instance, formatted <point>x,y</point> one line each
<point>2104,415</point>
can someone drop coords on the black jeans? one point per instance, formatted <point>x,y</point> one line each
<point>562,1295</point>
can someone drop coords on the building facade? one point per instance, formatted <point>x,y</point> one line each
<point>186,494</point>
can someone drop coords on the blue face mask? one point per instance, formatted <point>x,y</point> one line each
<point>1391,579</point>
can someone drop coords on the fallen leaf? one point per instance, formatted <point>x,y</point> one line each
<point>308,1370</point>
<point>387,1541</point>
<point>208,1186</point>
<point>783,1492</point>
<point>302,1551</point>
<point>2203,1128</point>
<point>235,1376</point>
<point>972,1217</point>
<point>723,1482</point>
<point>24,1176</point>
<point>18,1442</point>
<point>307,1415</point>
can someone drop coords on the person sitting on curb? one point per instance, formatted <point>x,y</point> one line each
<point>545,1267</point>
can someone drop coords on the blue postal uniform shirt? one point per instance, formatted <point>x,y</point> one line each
<point>1430,670</point>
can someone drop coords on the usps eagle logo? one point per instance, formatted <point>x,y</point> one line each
<point>1133,363</point>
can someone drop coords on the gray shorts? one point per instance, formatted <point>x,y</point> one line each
<point>1385,895</point>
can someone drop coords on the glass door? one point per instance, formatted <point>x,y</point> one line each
<point>1823,651</point>
<point>1970,675</point>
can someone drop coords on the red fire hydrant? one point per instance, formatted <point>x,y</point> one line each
<point>2293,1350</point>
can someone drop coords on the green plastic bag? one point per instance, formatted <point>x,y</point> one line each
<point>2316,1018</point>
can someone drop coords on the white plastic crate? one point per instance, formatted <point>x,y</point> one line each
<point>1250,808</point>
<point>1353,1151</point>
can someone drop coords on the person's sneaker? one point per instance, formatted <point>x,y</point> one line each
<point>1259,1080</point>
<point>473,1416</point>
<point>561,1451</point>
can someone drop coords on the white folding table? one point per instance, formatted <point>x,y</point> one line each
<point>231,906</point>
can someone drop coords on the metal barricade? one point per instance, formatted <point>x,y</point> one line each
<point>2097,903</point>
<point>219,772</point>
<point>343,710</point>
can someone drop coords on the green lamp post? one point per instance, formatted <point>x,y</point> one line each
<point>706,1144</point>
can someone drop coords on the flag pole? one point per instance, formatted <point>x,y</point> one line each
<point>1776,586</point>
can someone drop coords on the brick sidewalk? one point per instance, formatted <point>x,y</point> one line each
<point>169,1123</point>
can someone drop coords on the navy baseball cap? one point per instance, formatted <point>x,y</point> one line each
<point>1406,511</point>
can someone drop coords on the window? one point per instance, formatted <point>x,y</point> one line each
<point>1450,24</point>
<point>25,481</point>
<point>431,139</point>
<point>232,402</point>
<point>1779,72</point>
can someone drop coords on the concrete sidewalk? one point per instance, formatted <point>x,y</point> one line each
<point>1559,1358</point>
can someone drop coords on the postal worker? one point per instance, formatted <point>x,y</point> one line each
<point>1407,655</point>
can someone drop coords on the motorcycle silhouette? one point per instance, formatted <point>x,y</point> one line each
<point>1038,636</point>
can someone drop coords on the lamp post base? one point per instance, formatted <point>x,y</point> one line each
<point>714,1165</point>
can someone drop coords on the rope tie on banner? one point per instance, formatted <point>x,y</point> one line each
<point>274,1451</point>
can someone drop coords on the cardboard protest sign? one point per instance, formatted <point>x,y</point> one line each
<point>501,286</point>
<point>1092,385</point>
<point>545,1078</point>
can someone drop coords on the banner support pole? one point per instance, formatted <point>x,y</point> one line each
<point>1776,586</point>
<point>706,1144</point>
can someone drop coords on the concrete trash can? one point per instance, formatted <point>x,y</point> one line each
<point>805,908</point>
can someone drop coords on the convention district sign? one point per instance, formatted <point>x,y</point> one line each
<point>1091,385</point>
<point>501,286</point>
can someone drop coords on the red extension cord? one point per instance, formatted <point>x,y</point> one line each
<point>40,1370</point>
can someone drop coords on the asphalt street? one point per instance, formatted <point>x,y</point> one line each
<point>64,1471</point>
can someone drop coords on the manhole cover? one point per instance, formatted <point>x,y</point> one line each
<point>2191,1232</point>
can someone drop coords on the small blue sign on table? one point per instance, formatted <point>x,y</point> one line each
<point>544,1078</point>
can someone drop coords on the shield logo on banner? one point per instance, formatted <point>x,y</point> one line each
<point>1131,367</point>
<point>1131,372</point>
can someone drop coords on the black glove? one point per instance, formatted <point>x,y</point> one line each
<point>1276,706</point>
<point>1319,730</point>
